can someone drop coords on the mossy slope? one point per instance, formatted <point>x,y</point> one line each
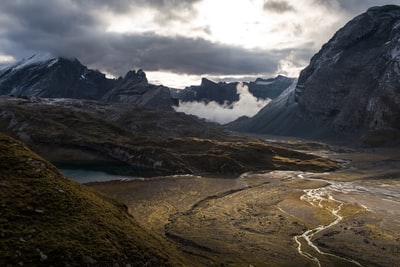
<point>49,220</point>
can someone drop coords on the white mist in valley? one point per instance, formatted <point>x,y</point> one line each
<point>247,105</point>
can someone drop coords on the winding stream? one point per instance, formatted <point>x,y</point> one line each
<point>322,199</point>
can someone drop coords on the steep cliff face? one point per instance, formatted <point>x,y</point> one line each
<point>353,82</point>
<point>349,91</point>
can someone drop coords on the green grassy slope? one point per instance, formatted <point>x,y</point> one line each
<point>49,220</point>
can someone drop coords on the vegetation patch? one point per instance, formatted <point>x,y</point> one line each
<point>49,220</point>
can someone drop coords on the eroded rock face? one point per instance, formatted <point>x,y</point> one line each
<point>135,89</point>
<point>353,82</point>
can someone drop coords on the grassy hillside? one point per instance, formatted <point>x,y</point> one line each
<point>49,220</point>
<point>141,142</point>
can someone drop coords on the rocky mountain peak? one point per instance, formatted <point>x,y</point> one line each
<point>43,75</point>
<point>353,82</point>
<point>349,91</point>
<point>136,77</point>
<point>207,82</point>
<point>134,88</point>
<point>46,76</point>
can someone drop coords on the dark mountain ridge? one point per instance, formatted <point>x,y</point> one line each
<point>45,76</point>
<point>59,77</point>
<point>350,89</point>
<point>223,92</point>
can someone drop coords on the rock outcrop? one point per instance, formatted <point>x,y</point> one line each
<point>134,88</point>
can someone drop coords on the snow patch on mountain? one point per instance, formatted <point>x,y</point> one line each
<point>37,59</point>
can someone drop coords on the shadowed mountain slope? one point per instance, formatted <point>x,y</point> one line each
<point>351,88</point>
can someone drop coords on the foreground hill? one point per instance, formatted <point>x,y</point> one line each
<point>351,87</point>
<point>136,141</point>
<point>49,220</point>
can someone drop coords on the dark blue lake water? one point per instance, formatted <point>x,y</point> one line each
<point>87,176</point>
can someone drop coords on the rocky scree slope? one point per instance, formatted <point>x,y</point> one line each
<point>350,88</point>
<point>48,220</point>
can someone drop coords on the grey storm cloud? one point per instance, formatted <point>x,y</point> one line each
<point>182,55</point>
<point>124,5</point>
<point>69,30</point>
<point>167,9</point>
<point>278,6</point>
<point>75,28</point>
<point>117,53</point>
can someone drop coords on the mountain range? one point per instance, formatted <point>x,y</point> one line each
<point>57,77</point>
<point>224,92</point>
<point>45,76</point>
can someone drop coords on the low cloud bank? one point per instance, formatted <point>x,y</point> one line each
<point>247,105</point>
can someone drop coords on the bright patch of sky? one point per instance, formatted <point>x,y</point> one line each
<point>246,23</point>
<point>250,24</point>
<point>177,42</point>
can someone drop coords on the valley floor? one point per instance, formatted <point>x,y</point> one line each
<point>279,218</point>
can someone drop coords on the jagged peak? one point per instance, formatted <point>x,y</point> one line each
<point>205,82</point>
<point>138,76</point>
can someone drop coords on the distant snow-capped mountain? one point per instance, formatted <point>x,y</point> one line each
<point>46,76</point>
<point>59,77</point>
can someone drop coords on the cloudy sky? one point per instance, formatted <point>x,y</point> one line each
<point>177,42</point>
